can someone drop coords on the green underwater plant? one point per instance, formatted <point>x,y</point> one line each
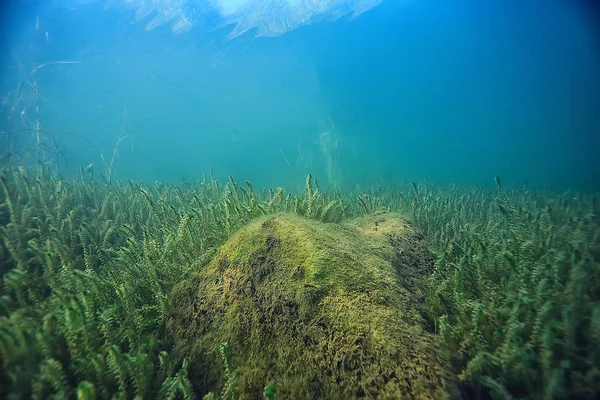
<point>229,376</point>
<point>516,289</point>
<point>79,318</point>
<point>88,267</point>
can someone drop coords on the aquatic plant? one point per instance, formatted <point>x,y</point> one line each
<point>87,268</point>
<point>516,289</point>
<point>83,289</point>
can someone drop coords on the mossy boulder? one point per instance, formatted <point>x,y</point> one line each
<point>319,310</point>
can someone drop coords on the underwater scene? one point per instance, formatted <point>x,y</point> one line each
<point>300,199</point>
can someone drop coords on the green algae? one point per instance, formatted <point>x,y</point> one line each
<point>319,310</point>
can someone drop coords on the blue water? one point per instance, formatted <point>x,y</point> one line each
<point>426,90</point>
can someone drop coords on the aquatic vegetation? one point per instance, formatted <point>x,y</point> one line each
<point>84,288</point>
<point>323,310</point>
<point>516,289</point>
<point>88,269</point>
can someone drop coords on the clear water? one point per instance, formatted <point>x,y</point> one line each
<point>350,91</point>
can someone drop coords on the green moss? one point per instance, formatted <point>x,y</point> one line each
<point>320,310</point>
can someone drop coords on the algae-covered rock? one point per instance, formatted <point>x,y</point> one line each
<point>320,310</point>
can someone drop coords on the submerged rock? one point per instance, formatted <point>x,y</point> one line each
<point>319,310</point>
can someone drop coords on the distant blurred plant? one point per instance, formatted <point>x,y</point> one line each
<point>23,138</point>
